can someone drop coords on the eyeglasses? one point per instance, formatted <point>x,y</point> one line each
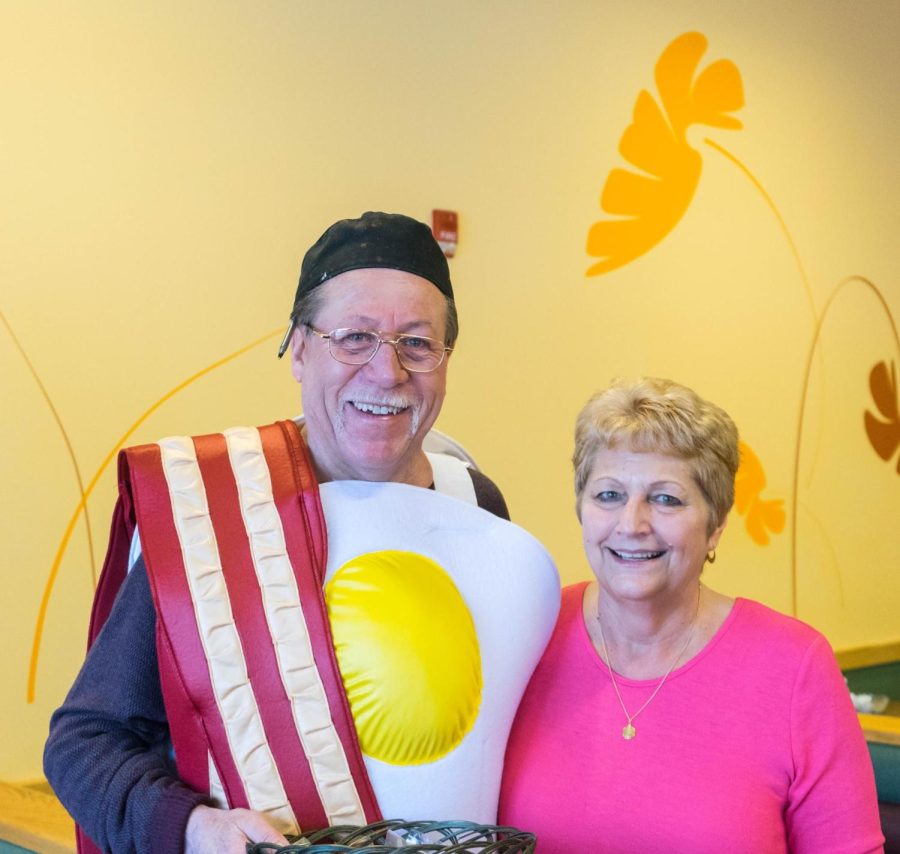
<point>359,346</point>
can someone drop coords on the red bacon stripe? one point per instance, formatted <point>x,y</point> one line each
<point>190,700</point>
<point>250,618</point>
<point>296,494</point>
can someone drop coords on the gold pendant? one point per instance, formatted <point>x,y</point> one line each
<point>628,732</point>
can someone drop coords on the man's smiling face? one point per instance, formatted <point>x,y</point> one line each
<point>367,422</point>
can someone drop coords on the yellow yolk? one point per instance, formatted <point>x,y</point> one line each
<point>408,652</point>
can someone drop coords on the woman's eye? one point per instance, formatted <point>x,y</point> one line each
<point>667,500</point>
<point>607,495</point>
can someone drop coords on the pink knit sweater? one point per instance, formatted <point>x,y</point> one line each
<point>751,746</point>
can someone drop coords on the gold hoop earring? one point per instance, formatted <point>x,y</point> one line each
<point>711,556</point>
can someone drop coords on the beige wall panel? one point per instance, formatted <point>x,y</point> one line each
<point>165,165</point>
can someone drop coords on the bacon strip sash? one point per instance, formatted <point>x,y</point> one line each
<point>234,542</point>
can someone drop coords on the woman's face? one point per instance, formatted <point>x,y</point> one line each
<point>644,524</point>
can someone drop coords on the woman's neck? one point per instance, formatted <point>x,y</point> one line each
<point>642,639</point>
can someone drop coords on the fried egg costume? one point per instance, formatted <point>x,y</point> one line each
<point>435,611</point>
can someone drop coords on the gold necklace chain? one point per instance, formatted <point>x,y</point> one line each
<point>628,731</point>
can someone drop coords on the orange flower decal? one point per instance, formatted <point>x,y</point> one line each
<point>884,436</point>
<point>650,205</point>
<point>762,515</point>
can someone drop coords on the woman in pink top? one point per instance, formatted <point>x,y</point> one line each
<point>664,716</point>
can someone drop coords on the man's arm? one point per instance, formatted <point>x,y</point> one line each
<point>108,755</point>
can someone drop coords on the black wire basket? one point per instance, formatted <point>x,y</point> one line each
<point>412,837</point>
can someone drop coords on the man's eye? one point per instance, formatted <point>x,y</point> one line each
<point>413,342</point>
<point>353,339</point>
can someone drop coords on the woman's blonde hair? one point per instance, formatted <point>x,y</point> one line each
<point>660,416</point>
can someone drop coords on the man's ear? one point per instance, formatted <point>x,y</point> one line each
<point>298,354</point>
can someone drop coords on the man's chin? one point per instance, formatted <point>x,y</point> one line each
<point>381,447</point>
<point>384,461</point>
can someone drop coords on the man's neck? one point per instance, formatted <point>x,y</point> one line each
<point>418,473</point>
<point>415,471</point>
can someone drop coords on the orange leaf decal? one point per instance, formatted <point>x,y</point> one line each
<point>652,203</point>
<point>884,435</point>
<point>762,515</point>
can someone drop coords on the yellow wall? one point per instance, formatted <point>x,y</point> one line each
<point>164,165</point>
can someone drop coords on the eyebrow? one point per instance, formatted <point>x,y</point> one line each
<point>659,483</point>
<point>363,322</point>
<point>656,484</point>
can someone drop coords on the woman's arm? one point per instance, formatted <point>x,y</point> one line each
<point>832,804</point>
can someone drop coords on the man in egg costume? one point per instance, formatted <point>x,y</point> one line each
<point>322,620</point>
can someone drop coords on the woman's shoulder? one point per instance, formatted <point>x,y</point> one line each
<point>569,634</point>
<point>574,592</point>
<point>761,650</point>
<point>570,608</point>
<point>781,633</point>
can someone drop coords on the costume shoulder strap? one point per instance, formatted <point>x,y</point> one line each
<point>451,476</point>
